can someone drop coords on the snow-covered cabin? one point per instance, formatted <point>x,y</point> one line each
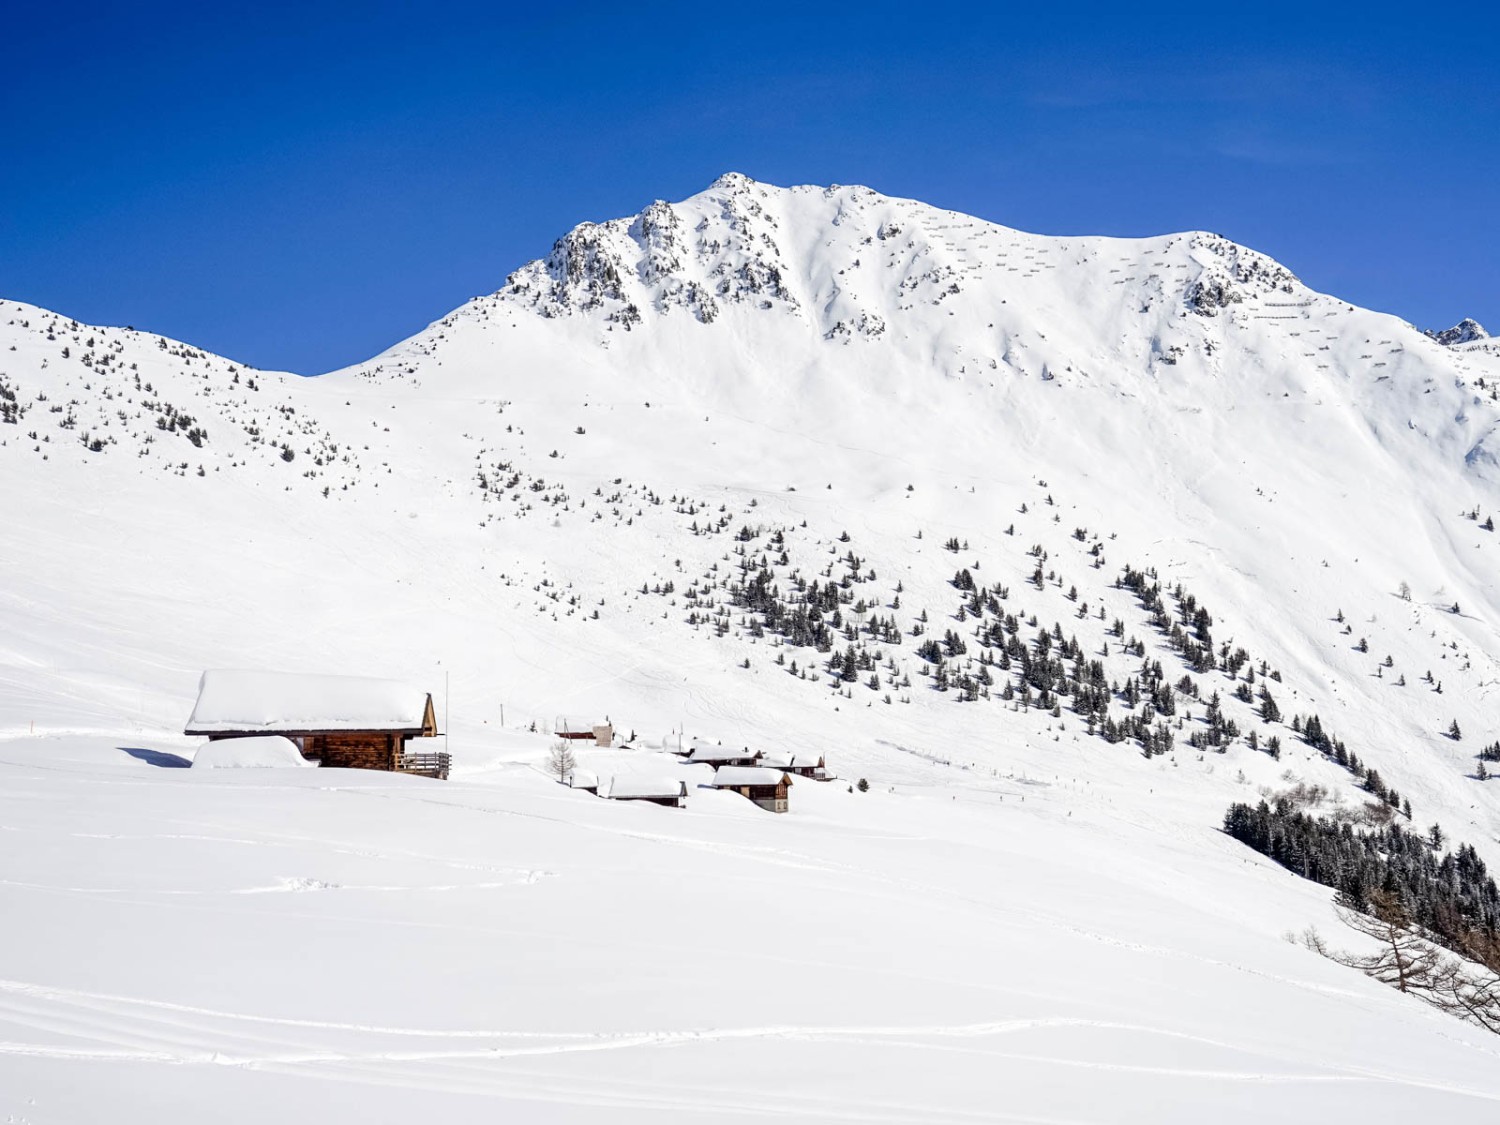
<point>708,753</point>
<point>764,785</point>
<point>583,779</point>
<point>351,722</point>
<point>667,791</point>
<point>572,726</point>
<point>809,763</point>
<point>803,763</point>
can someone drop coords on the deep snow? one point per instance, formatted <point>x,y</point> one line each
<point>1017,922</point>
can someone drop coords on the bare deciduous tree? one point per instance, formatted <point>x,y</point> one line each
<point>1469,993</point>
<point>1405,961</point>
<point>560,761</point>
<point>1467,986</point>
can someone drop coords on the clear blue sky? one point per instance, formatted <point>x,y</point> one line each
<point>300,186</point>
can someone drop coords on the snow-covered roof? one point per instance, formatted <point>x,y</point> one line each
<point>233,700</point>
<point>806,759</point>
<point>781,759</point>
<point>706,752</point>
<point>636,786</point>
<point>583,779</point>
<point>735,776</point>
<point>252,752</point>
<point>579,723</point>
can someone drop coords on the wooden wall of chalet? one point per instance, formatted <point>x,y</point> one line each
<point>771,797</point>
<point>347,749</point>
<point>669,802</point>
<point>354,749</point>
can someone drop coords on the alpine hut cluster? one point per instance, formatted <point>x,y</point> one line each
<point>355,722</point>
<point>761,776</point>
<point>350,722</point>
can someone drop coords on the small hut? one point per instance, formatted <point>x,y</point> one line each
<point>667,791</point>
<point>708,753</point>
<point>809,763</point>
<point>348,722</point>
<point>766,786</point>
<point>602,734</point>
<point>802,763</point>
<point>584,780</point>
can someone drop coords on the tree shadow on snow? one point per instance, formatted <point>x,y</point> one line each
<point>157,757</point>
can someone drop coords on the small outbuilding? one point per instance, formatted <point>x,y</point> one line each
<point>667,791</point>
<point>764,785</point>
<point>584,780</point>
<point>602,734</point>
<point>349,722</point>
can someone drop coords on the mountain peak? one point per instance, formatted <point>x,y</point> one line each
<point>1466,331</point>
<point>731,181</point>
<point>849,264</point>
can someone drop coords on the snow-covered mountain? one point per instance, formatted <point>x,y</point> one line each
<point>1466,331</point>
<point>807,468</point>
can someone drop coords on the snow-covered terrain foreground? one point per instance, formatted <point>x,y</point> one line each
<point>552,503</point>
<point>251,945</point>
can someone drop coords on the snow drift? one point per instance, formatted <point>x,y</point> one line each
<point>270,751</point>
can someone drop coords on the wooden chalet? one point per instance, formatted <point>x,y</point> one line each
<point>802,763</point>
<point>708,753</point>
<point>667,791</point>
<point>346,722</point>
<point>776,759</point>
<point>808,763</point>
<point>764,785</point>
<point>602,734</point>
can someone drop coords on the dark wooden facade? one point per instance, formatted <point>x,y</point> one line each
<point>717,756</point>
<point>676,802</point>
<point>772,798</point>
<point>805,765</point>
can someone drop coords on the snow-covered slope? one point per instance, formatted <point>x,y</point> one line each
<point>579,495</point>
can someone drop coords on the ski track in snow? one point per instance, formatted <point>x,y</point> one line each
<point>157,1031</point>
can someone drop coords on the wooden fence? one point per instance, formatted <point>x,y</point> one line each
<point>426,765</point>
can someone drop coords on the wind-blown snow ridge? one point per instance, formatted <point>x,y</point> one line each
<point>741,243</point>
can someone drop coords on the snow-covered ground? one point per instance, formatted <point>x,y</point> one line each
<point>282,945</point>
<point>538,508</point>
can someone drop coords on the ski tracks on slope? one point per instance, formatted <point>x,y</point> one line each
<point>103,1026</point>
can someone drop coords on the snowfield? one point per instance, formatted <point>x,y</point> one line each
<point>940,949</point>
<point>553,503</point>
